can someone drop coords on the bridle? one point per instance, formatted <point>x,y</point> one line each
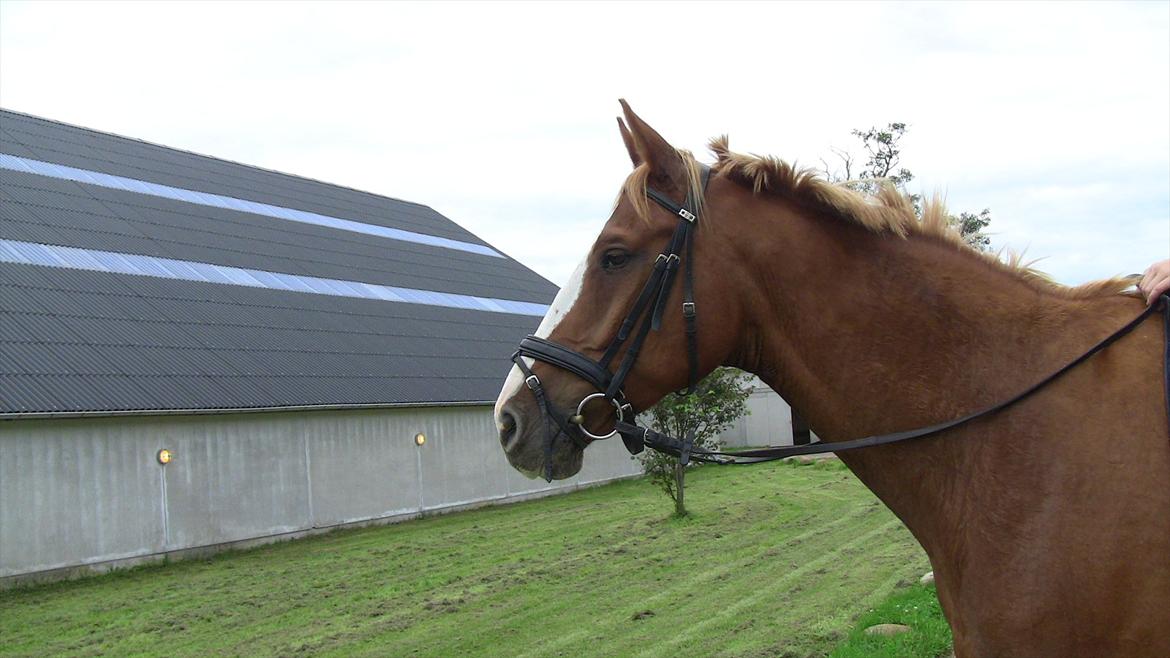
<point>646,315</point>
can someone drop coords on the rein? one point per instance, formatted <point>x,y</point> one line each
<point>644,436</point>
<point>646,315</point>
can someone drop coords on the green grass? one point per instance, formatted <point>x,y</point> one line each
<point>775,560</point>
<point>916,607</point>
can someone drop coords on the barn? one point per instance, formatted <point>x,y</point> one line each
<point>197,354</point>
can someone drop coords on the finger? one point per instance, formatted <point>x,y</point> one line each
<point>1154,287</point>
<point>1160,282</point>
<point>1148,278</point>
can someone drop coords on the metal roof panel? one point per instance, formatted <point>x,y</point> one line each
<point>89,341</point>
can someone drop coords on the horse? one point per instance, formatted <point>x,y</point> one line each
<point>1047,524</point>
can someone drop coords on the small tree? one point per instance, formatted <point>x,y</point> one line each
<point>883,156</point>
<point>971,228</point>
<point>719,400</point>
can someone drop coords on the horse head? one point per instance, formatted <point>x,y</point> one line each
<point>591,308</point>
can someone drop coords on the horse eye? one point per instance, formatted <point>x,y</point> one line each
<point>613,260</point>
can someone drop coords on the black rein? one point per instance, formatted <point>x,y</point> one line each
<point>684,450</point>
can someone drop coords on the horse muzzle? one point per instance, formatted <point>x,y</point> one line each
<point>523,435</point>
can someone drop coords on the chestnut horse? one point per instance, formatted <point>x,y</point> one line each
<point>1047,524</point>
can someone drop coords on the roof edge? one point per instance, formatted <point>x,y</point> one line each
<point>49,415</point>
<point>225,160</point>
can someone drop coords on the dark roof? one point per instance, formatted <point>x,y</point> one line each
<point>76,339</point>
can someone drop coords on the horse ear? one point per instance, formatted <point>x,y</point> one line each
<point>662,158</point>
<point>629,141</point>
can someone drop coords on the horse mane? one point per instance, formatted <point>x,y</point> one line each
<point>888,211</point>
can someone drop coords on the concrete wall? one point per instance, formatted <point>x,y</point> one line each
<point>90,493</point>
<point>768,423</point>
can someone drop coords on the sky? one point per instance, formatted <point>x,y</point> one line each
<point>1056,116</point>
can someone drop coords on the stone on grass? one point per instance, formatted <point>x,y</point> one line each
<point>927,579</point>
<point>887,629</point>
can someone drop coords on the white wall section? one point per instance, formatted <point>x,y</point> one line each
<point>89,493</point>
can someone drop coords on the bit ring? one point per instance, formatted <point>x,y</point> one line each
<point>581,409</point>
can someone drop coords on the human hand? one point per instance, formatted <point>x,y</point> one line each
<point>1155,281</point>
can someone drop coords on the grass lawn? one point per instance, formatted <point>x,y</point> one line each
<point>916,607</point>
<point>776,560</point>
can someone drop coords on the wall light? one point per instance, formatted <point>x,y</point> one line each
<point>165,456</point>
<point>420,439</point>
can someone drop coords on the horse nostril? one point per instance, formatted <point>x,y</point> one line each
<point>507,429</point>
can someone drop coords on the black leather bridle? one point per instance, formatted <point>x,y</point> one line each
<point>646,315</point>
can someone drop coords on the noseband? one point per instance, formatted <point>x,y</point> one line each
<point>645,315</point>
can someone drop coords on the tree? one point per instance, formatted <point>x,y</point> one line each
<point>971,228</point>
<point>884,154</point>
<point>883,150</point>
<point>719,400</point>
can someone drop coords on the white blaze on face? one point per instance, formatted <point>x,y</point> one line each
<point>559,309</point>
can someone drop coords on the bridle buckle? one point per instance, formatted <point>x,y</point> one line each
<point>688,309</point>
<point>532,382</point>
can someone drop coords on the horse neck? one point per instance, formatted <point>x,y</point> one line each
<point>867,333</point>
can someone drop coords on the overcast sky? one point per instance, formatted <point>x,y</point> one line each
<point>501,116</point>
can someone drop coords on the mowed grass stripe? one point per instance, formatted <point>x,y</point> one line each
<point>776,585</point>
<point>741,564</point>
<point>580,602</point>
<point>773,556</point>
<point>807,604</point>
<point>683,576</point>
<point>594,618</point>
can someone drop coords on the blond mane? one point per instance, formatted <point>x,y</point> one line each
<point>888,211</point>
